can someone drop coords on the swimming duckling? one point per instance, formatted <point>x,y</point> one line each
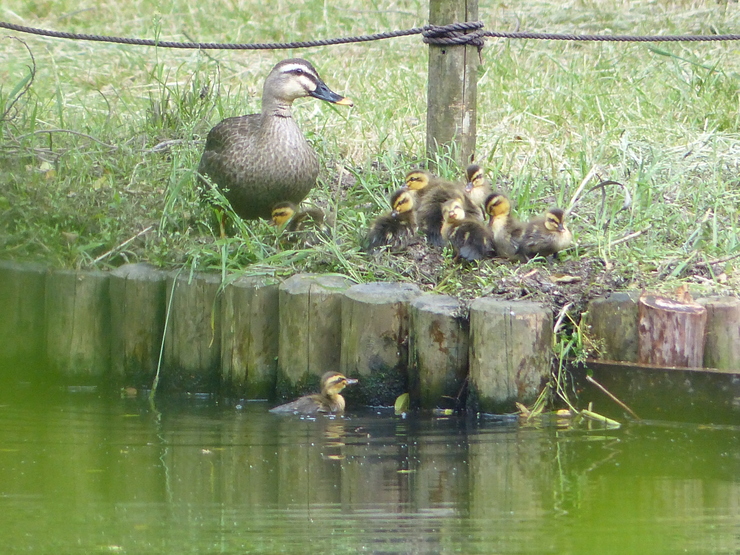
<point>545,235</point>
<point>328,401</point>
<point>507,230</point>
<point>477,188</point>
<point>261,159</point>
<point>396,228</point>
<point>306,225</point>
<point>432,193</point>
<point>470,238</point>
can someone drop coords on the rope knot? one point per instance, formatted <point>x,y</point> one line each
<point>470,32</point>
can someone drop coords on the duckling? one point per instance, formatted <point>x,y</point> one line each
<point>328,401</point>
<point>470,238</point>
<point>431,193</point>
<point>507,230</point>
<point>396,228</point>
<point>261,159</point>
<point>477,188</point>
<point>545,235</point>
<point>307,225</point>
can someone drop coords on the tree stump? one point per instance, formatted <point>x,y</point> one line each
<point>613,326</point>
<point>510,353</point>
<point>310,327</point>
<point>192,346</point>
<point>23,321</point>
<point>722,333</point>
<point>249,337</point>
<point>671,333</point>
<point>375,328</point>
<point>438,352</point>
<point>137,293</point>
<point>78,324</point>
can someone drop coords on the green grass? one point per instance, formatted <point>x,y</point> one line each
<point>80,175</point>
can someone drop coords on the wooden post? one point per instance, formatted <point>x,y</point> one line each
<point>137,293</point>
<point>22,323</point>
<point>249,337</point>
<point>722,336</point>
<point>438,352</point>
<point>510,353</point>
<point>78,324</point>
<point>612,325</point>
<point>452,86</point>
<point>310,331</point>
<point>375,327</point>
<point>192,345</point>
<point>671,333</point>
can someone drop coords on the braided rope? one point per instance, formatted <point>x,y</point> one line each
<point>455,33</point>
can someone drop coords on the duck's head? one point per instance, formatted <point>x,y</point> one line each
<point>555,220</point>
<point>453,210</point>
<point>402,201</point>
<point>332,383</point>
<point>497,205</point>
<point>475,177</point>
<point>417,180</point>
<point>282,213</point>
<point>297,78</point>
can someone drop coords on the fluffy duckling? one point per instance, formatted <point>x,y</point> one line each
<point>478,187</point>
<point>545,235</point>
<point>431,193</point>
<point>307,224</point>
<point>328,401</point>
<point>261,159</point>
<point>396,228</point>
<point>507,230</point>
<point>470,238</point>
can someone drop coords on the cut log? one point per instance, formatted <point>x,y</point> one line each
<point>722,333</point>
<point>438,352</point>
<point>249,337</point>
<point>375,328</point>
<point>670,333</point>
<point>612,325</point>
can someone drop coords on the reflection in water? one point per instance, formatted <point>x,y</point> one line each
<point>82,474</point>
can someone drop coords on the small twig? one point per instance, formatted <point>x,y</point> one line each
<point>613,398</point>
<point>122,245</point>
<point>561,316</point>
<point>165,145</point>
<point>719,260</point>
<point>41,131</point>
<point>630,236</point>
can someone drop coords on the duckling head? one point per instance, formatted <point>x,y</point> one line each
<point>417,180</point>
<point>282,213</point>
<point>475,176</point>
<point>332,383</point>
<point>402,201</point>
<point>297,78</point>
<point>497,205</point>
<point>453,210</point>
<point>555,220</point>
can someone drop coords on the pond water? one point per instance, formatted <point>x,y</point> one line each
<point>82,472</point>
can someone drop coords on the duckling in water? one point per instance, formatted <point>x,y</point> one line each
<point>396,228</point>
<point>477,188</point>
<point>470,238</point>
<point>261,159</point>
<point>431,193</point>
<point>545,235</point>
<point>306,225</point>
<point>328,401</point>
<point>507,230</point>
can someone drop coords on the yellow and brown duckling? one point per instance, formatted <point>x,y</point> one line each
<point>506,229</point>
<point>478,187</point>
<point>431,193</point>
<point>258,160</point>
<point>396,228</point>
<point>545,235</point>
<point>470,239</point>
<point>329,400</point>
<point>304,225</point>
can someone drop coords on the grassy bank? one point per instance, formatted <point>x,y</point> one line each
<point>101,144</point>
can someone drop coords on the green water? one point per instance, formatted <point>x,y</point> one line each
<point>81,473</point>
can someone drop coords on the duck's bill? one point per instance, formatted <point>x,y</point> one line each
<point>469,186</point>
<point>322,92</point>
<point>352,381</point>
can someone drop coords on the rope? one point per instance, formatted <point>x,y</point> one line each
<point>453,34</point>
